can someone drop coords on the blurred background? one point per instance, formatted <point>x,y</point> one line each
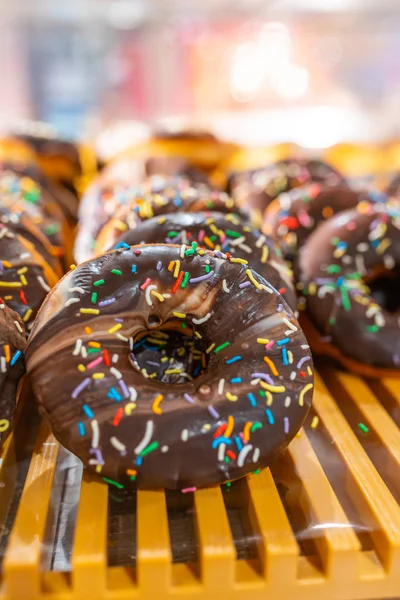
<point>313,72</point>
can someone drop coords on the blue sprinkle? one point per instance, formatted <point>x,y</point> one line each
<point>88,411</point>
<point>196,371</point>
<point>232,360</point>
<point>221,440</point>
<point>239,443</point>
<point>133,268</point>
<point>178,200</point>
<point>282,342</point>
<point>114,395</point>
<point>375,243</point>
<point>123,245</point>
<point>270,416</point>
<point>284,357</point>
<point>236,380</point>
<point>252,399</point>
<point>15,357</point>
<point>340,281</point>
<point>139,461</point>
<point>140,343</point>
<point>81,428</point>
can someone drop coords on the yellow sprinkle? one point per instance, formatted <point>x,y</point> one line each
<point>177,268</point>
<point>10,284</point>
<point>290,357</point>
<point>156,341</point>
<point>231,397</point>
<point>314,422</point>
<point>264,254</point>
<point>164,359</point>
<point>129,408</point>
<point>22,270</point>
<point>198,335</point>
<point>271,365</point>
<point>72,267</point>
<point>201,252</point>
<point>179,315</point>
<point>8,298</point>
<point>81,368</point>
<point>27,315</point>
<point>156,404</point>
<point>159,296</point>
<point>94,344</point>
<point>98,375</point>
<point>229,429</point>
<point>312,288</point>
<point>89,311</point>
<point>383,246</point>
<point>262,341</point>
<point>270,398</point>
<point>23,280</point>
<point>7,354</point>
<point>152,376</point>
<point>7,264</point>
<point>206,427</point>
<point>210,348</point>
<point>246,431</point>
<point>275,389</point>
<point>171,265</point>
<point>309,370</point>
<point>98,468</point>
<point>253,281</point>
<point>115,328</point>
<point>172,371</point>
<point>305,389</point>
<point>162,220</point>
<point>4,425</point>
<point>241,261</point>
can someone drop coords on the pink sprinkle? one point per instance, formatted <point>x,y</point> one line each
<point>351,226</point>
<point>188,490</point>
<point>269,345</point>
<point>145,284</point>
<point>137,252</point>
<point>201,235</point>
<point>95,362</point>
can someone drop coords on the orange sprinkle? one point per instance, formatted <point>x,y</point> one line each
<point>271,365</point>
<point>7,353</point>
<point>94,344</point>
<point>246,431</point>
<point>88,330</point>
<point>131,472</point>
<point>171,265</point>
<point>178,282</point>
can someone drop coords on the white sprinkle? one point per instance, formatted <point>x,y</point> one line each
<point>148,291</point>
<point>116,373</point>
<point>292,327</point>
<point>183,250</point>
<point>121,337</point>
<point>184,237</point>
<point>260,241</point>
<point>167,295</point>
<point>117,444</point>
<point>185,435</point>
<point>304,346</point>
<point>255,381</point>
<point>389,261</point>
<point>95,431</point>
<point>133,394</point>
<point>83,352</point>
<point>71,301</point>
<point>238,241</point>
<point>3,365</point>
<point>243,454</point>
<point>78,346</point>
<point>164,449</point>
<point>18,326</point>
<point>225,287</point>
<point>380,319</point>
<point>3,232</point>
<point>245,248</point>
<point>221,452</point>
<point>363,247</point>
<point>221,386</point>
<point>115,358</point>
<point>292,375</point>
<point>287,401</point>
<point>266,288</point>
<point>75,289</point>
<point>43,283</point>
<point>146,438</point>
<point>256,455</point>
<point>143,372</point>
<point>203,320</point>
<point>360,265</point>
<point>131,343</point>
<point>325,289</point>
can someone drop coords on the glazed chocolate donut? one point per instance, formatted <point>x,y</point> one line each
<point>159,196</point>
<point>293,216</point>
<point>349,275</point>
<point>12,367</point>
<point>217,231</point>
<point>25,277</point>
<point>237,416</point>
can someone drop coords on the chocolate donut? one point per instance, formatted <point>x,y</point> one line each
<point>293,216</point>
<point>349,275</point>
<point>217,231</point>
<point>237,416</point>
<point>159,196</point>
<point>175,165</point>
<point>12,367</point>
<point>25,277</point>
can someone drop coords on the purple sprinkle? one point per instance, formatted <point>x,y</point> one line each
<point>202,277</point>
<point>152,363</point>
<point>119,320</point>
<point>106,302</point>
<point>80,387</point>
<point>302,361</point>
<point>279,307</point>
<point>98,455</point>
<point>124,389</point>
<point>264,377</point>
<point>286,424</point>
<point>213,412</point>
<point>159,265</point>
<point>218,254</point>
<point>245,284</point>
<point>188,398</point>
<point>1,267</point>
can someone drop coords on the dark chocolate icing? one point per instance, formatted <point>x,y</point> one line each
<point>218,231</point>
<point>12,367</point>
<point>237,416</point>
<point>337,260</point>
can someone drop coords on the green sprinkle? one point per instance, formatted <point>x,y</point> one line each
<point>93,350</point>
<point>372,328</point>
<point>233,234</point>
<point>213,238</point>
<point>172,234</point>
<point>98,282</point>
<point>183,325</point>
<point>189,252</point>
<point>226,459</point>
<point>194,246</point>
<point>262,393</point>
<point>354,276</point>
<point>228,484</point>
<point>132,477</point>
<point>257,472</point>
<point>207,268</point>
<point>52,228</point>
<point>94,297</point>
<point>335,241</point>
<point>111,482</point>
<point>32,196</point>
<point>345,298</point>
<point>116,272</point>
<point>333,269</point>
<point>210,204</point>
<point>256,426</point>
<point>332,320</point>
<point>363,428</point>
<point>150,448</point>
<point>185,279</point>
<point>221,347</point>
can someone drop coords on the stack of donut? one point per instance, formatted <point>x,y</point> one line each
<point>172,356</point>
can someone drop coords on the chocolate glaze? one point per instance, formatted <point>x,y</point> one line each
<point>50,147</point>
<point>334,264</point>
<point>12,367</point>
<point>218,231</point>
<point>131,427</point>
<point>175,165</point>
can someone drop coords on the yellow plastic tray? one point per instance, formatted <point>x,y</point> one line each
<point>323,523</point>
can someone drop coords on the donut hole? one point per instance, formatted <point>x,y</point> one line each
<point>153,321</point>
<point>385,288</point>
<point>171,354</point>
